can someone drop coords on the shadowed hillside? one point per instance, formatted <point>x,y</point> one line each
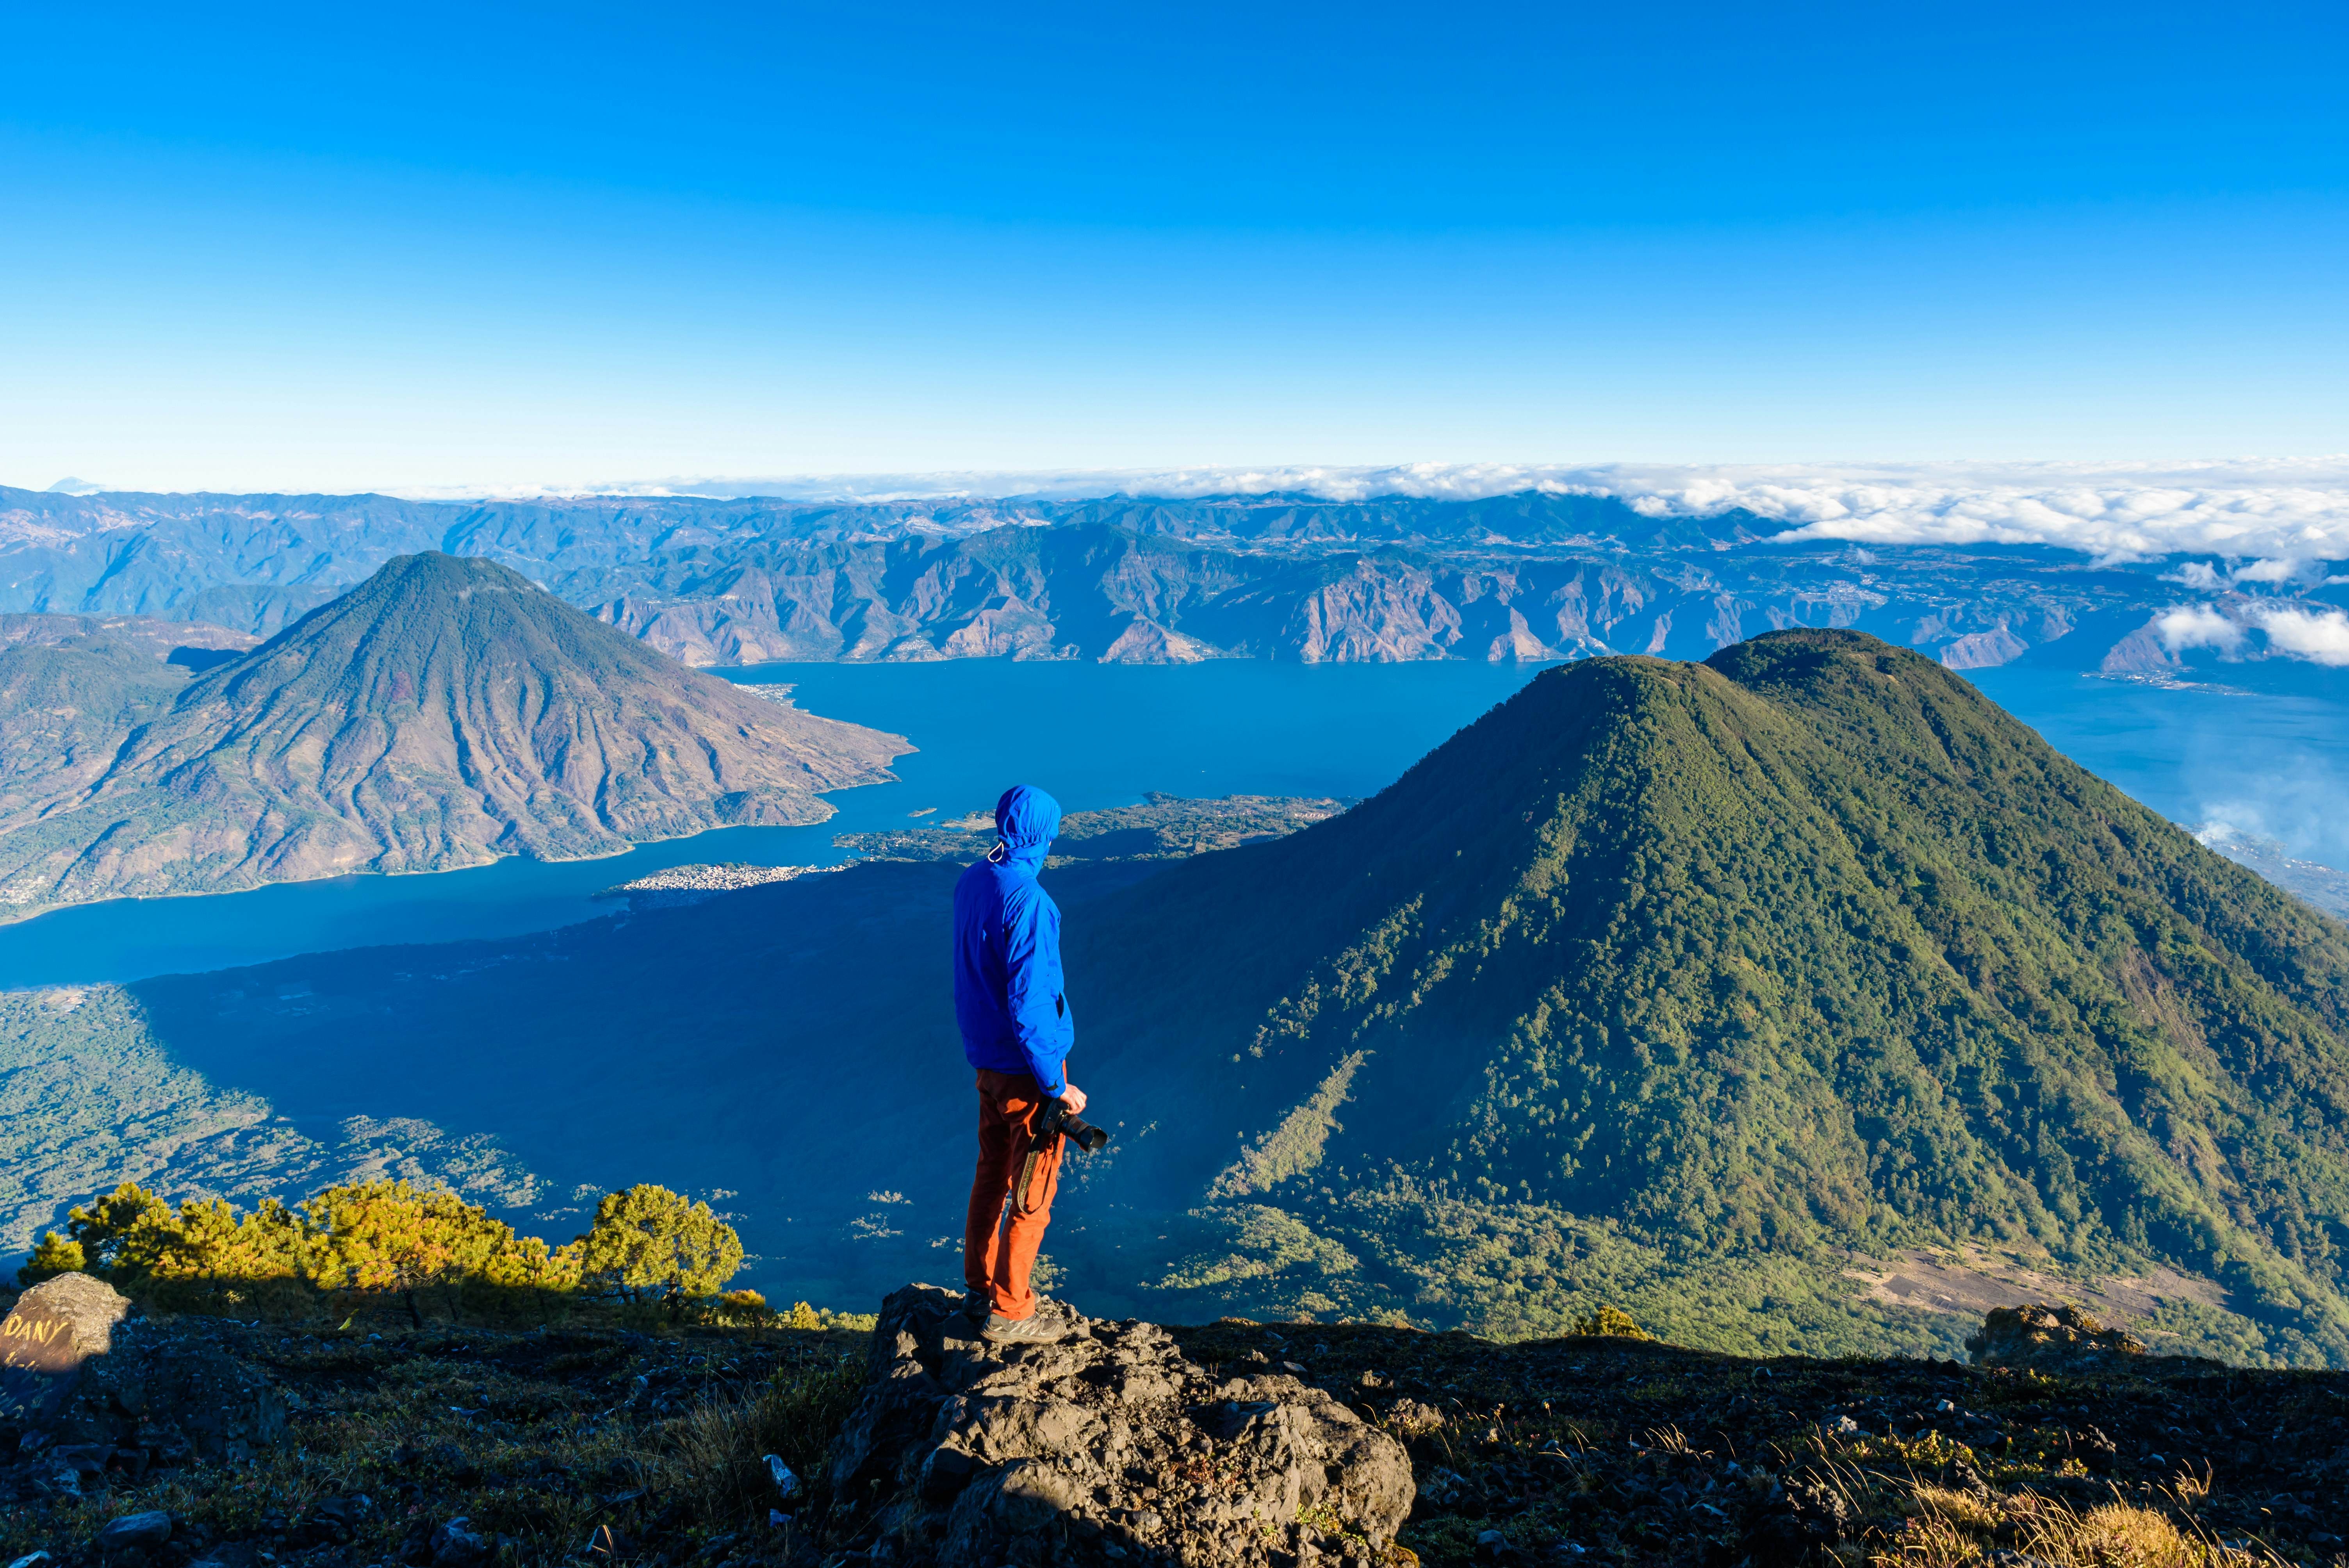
<point>789,1048</point>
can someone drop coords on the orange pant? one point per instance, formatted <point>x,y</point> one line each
<point>1000,1240</point>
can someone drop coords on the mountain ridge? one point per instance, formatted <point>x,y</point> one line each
<point>1124,579</point>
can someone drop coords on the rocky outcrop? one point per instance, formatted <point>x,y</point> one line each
<point>2043,1335</point>
<point>1104,1445</point>
<point>1983,649</point>
<point>2142,654</point>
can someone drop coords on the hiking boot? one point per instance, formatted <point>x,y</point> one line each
<point>1030,1330</point>
<point>976,1304</point>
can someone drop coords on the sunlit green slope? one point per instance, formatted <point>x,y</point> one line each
<point>1684,983</point>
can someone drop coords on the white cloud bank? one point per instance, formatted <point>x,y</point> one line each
<point>2199,626</point>
<point>2281,512</point>
<point>2316,634</point>
<point>2319,638</point>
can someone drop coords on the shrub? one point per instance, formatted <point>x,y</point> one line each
<point>206,1259</point>
<point>426,1249</point>
<point>1611,1322</point>
<point>54,1256</point>
<point>648,1244</point>
<point>738,1309</point>
<point>389,1238</point>
<point>119,1229</point>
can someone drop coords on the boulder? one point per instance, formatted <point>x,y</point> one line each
<point>53,1329</point>
<point>151,1528</point>
<point>87,1305</point>
<point>230,1555</point>
<point>1103,1445</point>
<point>457,1544</point>
<point>2044,1336</point>
<point>1800,1521</point>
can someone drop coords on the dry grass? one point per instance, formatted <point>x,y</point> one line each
<point>716,1453</point>
<point>1965,1511</point>
<point>1953,1529</point>
<point>1670,1440</point>
<point>1945,1527</point>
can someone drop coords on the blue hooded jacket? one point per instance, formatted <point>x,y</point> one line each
<point>1008,990</point>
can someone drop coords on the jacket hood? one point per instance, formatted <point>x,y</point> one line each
<point>1026,819</point>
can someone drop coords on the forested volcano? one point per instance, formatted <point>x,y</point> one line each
<point>1688,983</point>
<point>443,713</point>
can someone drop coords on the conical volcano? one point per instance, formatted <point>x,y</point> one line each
<point>1721,989</point>
<point>445,712</point>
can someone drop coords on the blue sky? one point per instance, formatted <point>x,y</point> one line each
<point>440,247</point>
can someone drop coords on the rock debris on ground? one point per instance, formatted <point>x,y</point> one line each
<point>205,1442</point>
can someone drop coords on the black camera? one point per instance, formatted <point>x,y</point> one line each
<point>1058,1118</point>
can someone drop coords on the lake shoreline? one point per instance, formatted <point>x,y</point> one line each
<point>1100,737</point>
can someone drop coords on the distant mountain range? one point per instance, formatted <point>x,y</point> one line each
<point>445,712</point>
<point>1529,576</point>
<point>1726,993</point>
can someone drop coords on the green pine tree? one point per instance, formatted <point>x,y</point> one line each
<point>54,1256</point>
<point>649,1245</point>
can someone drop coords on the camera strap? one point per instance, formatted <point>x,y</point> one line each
<point>1035,1147</point>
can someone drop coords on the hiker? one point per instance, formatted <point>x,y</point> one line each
<point>1015,1032</point>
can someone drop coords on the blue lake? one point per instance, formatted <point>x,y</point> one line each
<point>1092,735</point>
<point>1099,736</point>
<point>2274,761</point>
